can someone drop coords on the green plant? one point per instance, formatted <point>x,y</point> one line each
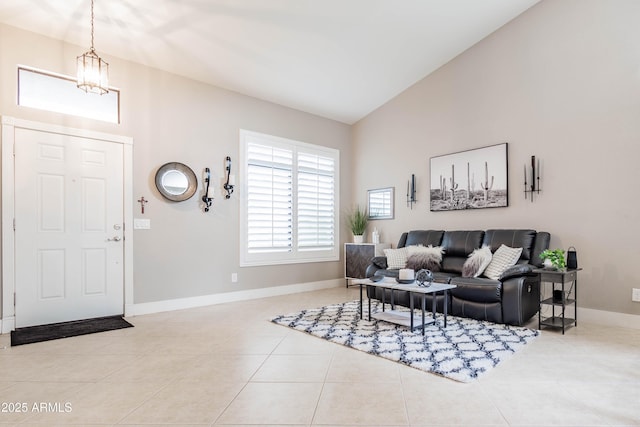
<point>556,256</point>
<point>358,220</point>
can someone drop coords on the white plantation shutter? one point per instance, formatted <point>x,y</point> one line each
<point>269,199</point>
<point>290,210</point>
<point>316,198</point>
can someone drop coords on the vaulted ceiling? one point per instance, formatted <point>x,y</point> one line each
<point>339,59</point>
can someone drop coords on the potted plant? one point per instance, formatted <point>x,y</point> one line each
<point>553,258</point>
<point>358,223</point>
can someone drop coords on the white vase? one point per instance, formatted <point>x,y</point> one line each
<point>359,238</point>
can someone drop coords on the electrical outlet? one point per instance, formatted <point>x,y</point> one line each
<point>234,277</point>
<point>635,294</point>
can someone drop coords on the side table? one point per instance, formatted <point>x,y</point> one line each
<point>560,299</point>
<point>357,257</point>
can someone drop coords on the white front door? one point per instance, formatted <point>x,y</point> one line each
<point>69,219</point>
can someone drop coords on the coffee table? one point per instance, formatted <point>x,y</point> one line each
<point>405,318</point>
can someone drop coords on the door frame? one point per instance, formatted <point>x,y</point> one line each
<point>7,139</point>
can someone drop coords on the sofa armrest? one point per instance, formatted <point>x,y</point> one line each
<point>520,299</point>
<point>380,261</point>
<point>516,271</point>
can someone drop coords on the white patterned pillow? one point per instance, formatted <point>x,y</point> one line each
<point>396,258</point>
<point>502,259</point>
<point>477,262</point>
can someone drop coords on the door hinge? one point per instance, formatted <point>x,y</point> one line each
<point>14,299</point>
<point>14,224</point>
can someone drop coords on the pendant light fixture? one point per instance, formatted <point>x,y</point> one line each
<point>93,72</point>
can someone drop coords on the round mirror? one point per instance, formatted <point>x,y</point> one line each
<point>176,181</point>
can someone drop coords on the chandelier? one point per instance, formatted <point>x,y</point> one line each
<point>93,71</point>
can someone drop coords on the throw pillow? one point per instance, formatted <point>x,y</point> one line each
<point>502,259</point>
<point>477,262</point>
<point>421,257</point>
<point>396,258</point>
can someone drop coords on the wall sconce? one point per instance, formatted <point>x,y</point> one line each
<point>411,191</point>
<point>534,185</point>
<point>208,190</point>
<point>231,180</point>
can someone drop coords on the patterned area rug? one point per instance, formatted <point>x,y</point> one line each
<point>462,351</point>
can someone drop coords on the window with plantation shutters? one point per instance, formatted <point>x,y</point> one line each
<point>290,209</point>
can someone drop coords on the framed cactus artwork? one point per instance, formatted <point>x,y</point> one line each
<point>472,179</point>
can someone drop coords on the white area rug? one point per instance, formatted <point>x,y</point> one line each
<point>462,351</point>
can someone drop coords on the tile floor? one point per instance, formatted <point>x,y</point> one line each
<point>227,365</point>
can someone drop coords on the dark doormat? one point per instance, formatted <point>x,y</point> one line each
<point>56,331</point>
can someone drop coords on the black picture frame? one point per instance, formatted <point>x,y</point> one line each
<point>479,177</point>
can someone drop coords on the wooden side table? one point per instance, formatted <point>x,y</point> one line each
<point>357,257</point>
<point>560,299</point>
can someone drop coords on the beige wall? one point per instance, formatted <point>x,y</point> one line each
<point>187,252</point>
<point>561,82</point>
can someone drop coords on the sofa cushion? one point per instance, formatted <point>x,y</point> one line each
<point>428,257</point>
<point>453,264</point>
<point>442,277</point>
<point>477,289</point>
<point>477,262</point>
<point>502,259</point>
<point>396,258</point>
<point>513,238</point>
<point>422,237</point>
<point>461,243</point>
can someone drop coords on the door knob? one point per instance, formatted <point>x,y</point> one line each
<point>115,239</point>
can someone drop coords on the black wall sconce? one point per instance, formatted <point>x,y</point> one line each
<point>228,185</point>
<point>411,191</point>
<point>534,185</point>
<point>208,190</point>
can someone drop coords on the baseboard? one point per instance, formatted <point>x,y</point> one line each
<point>608,318</point>
<point>7,324</point>
<point>588,315</point>
<point>201,301</point>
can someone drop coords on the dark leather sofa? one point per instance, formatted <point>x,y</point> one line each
<point>512,299</point>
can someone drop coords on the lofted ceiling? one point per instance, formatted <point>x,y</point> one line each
<point>339,59</point>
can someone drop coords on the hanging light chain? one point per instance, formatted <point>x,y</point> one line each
<point>92,16</point>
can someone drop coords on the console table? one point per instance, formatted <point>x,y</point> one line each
<point>357,257</point>
<point>559,300</point>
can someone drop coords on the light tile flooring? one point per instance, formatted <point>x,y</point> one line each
<point>227,365</point>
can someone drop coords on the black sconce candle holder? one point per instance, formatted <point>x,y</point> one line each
<point>208,190</point>
<point>411,191</point>
<point>534,185</point>
<point>228,185</point>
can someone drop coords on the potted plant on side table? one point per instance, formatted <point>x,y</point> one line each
<point>553,259</point>
<point>358,223</point>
